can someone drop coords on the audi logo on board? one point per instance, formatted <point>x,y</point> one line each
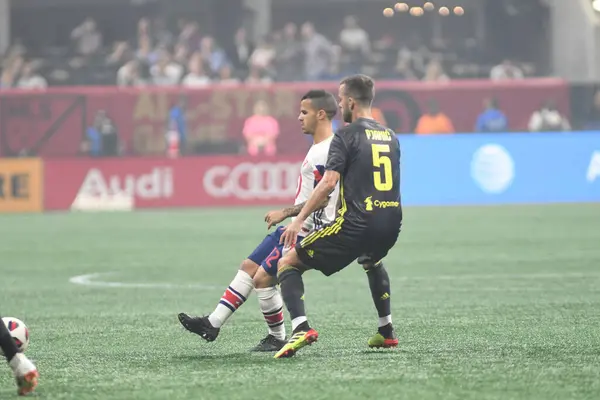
<point>277,180</point>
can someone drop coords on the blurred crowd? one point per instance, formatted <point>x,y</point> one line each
<point>186,56</point>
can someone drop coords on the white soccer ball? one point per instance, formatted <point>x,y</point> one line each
<point>19,332</point>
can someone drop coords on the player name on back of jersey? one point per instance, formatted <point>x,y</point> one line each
<point>384,136</point>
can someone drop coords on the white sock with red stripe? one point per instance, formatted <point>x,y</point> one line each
<point>271,305</point>
<point>235,295</point>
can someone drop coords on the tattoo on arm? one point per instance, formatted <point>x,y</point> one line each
<point>295,210</point>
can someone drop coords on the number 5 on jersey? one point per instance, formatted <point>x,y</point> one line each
<point>383,163</point>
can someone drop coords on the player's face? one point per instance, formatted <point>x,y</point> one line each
<point>307,117</point>
<point>344,104</point>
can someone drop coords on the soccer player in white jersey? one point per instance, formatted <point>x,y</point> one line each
<point>259,270</point>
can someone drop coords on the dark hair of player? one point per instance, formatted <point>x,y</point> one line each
<point>322,100</point>
<point>360,87</point>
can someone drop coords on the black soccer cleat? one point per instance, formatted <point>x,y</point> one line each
<point>269,344</point>
<point>200,326</point>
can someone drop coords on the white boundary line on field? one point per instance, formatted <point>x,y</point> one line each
<point>91,280</point>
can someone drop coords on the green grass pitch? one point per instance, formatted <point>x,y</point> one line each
<point>489,303</point>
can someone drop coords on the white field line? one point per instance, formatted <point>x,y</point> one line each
<point>94,280</point>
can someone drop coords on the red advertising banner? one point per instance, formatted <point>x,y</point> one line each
<point>52,123</point>
<point>187,182</point>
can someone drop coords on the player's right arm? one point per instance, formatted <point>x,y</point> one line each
<point>276,216</point>
<point>337,162</point>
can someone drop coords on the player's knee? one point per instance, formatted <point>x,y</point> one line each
<point>283,261</point>
<point>263,280</point>
<point>368,265</point>
<point>292,260</point>
<point>287,260</point>
<point>249,267</point>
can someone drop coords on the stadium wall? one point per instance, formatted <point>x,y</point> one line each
<point>55,120</point>
<point>463,169</point>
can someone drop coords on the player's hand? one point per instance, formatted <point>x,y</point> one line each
<point>290,234</point>
<point>272,218</point>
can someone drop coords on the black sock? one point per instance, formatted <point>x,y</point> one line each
<point>7,343</point>
<point>379,283</point>
<point>292,291</point>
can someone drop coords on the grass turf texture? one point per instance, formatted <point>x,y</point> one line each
<point>489,303</point>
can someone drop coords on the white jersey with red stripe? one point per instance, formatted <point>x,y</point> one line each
<point>311,173</point>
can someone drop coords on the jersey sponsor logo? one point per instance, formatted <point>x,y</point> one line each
<point>156,184</point>
<point>252,181</point>
<point>371,204</point>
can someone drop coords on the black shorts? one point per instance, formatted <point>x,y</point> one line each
<point>334,247</point>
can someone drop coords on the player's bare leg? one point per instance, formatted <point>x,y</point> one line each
<point>289,274</point>
<point>271,305</point>
<point>379,283</point>
<point>25,372</point>
<point>234,297</point>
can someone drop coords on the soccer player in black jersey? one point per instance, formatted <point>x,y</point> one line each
<point>364,157</point>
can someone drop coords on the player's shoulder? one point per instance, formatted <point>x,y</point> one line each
<point>375,125</point>
<point>348,134</point>
<point>361,125</point>
<point>320,149</point>
<point>375,131</point>
<point>350,129</point>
